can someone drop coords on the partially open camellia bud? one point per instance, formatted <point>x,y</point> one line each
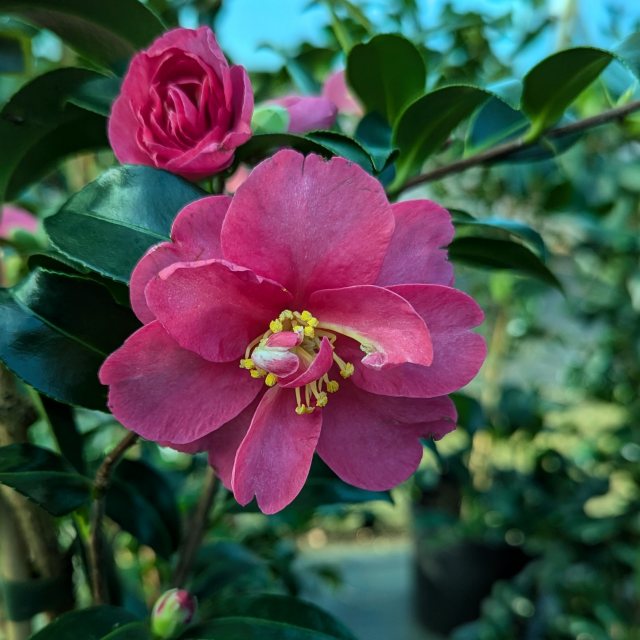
<point>173,611</point>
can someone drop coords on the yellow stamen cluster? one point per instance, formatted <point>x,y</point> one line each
<point>311,334</point>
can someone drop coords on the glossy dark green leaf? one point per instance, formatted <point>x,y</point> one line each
<point>107,33</point>
<point>65,430</point>
<point>386,73</point>
<point>286,610</point>
<point>374,134</point>
<point>245,628</point>
<point>463,221</point>
<point>55,332</point>
<point>553,84</point>
<point>97,94</point>
<point>494,122</point>
<point>95,623</point>
<point>12,59</point>
<point>111,223</point>
<point>23,599</point>
<point>428,121</point>
<point>142,502</point>
<point>30,125</point>
<point>496,253</point>
<point>132,631</point>
<point>628,52</point>
<point>43,477</point>
<point>325,143</point>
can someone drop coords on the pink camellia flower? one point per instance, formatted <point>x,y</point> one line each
<point>307,113</point>
<point>182,107</point>
<point>305,314</point>
<point>15,219</point>
<point>335,89</point>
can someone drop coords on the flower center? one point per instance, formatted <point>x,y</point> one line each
<point>293,352</point>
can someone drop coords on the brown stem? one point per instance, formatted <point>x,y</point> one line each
<point>96,541</point>
<point>509,148</point>
<point>196,531</point>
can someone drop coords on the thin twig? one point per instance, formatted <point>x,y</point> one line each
<point>509,148</point>
<point>96,546</point>
<point>196,531</point>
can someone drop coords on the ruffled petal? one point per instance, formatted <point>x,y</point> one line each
<point>195,235</point>
<point>309,223</point>
<point>171,395</point>
<point>373,442</point>
<point>415,254</point>
<point>458,353</point>
<point>316,369</point>
<point>384,323</point>
<point>274,458</point>
<point>214,308</point>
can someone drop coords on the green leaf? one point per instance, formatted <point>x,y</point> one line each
<point>38,128</point>
<point>107,33</point>
<point>427,123</point>
<point>494,253</point>
<point>386,73</point>
<point>553,84</point>
<point>97,94</point>
<point>324,143</point>
<point>95,623</point>
<point>22,600</point>
<point>12,58</point>
<point>286,610</point>
<point>142,502</point>
<point>374,134</point>
<point>494,122</point>
<point>108,225</point>
<point>245,628</point>
<point>132,631</point>
<point>517,230</point>
<point>55,332</point>
<point>43,477</point>
<point>628,52</point>
<point>63,425</point>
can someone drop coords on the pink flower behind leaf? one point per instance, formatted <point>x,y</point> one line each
<point>182,107</point>
<point>307,113</point>
<point>335,89</point>
<point>14,219</point>
<point>285,322</point>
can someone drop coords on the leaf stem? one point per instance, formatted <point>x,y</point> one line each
<point>101,484</point>
<point>196,532</point>
<point>507,149</point>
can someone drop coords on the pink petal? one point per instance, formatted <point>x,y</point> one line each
<point>273,460</point>
<point>318,367</point>
<point>195,235</point>
<point>335,89</point>
<point>309,223</point>
<point>458,353</point>
<point>286,339</point>
<point>214,308</point>
<point>415,254</point>
<point>14,218</point>
<point>169,394</point>
<point>307,113</point>
<point>382,321</point>
<point>373,442</point>
<point>277,360</point>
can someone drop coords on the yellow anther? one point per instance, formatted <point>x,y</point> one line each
<point>258,373</point>
<point>299,329</point>
<point>322,399</point>
<point>332,386</point>
<point>287,314</point>
<point>347,371</point>
<point>313,322</point>
<point>271,379</point>
<point>300,409</point>
<point>276,325</point>
<point>247,363</point>
<point>305,316</point>
<point>309,332</point>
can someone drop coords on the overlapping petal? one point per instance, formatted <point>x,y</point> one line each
<point>309,223</point>
<point>274,458</point>
<point>385,324</point>
<point>416,253</point>
<point>458,353</point>
<point>373,442</point>
<point>195,235</point>
<point>213,307</point>
<point>168,394</point>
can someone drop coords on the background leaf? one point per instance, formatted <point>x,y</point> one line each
<point>55,332</point>
<point>95,623</point>
<point>553,84</point>
<point>43,477</point>
<point>386,73</point>
<point>105,32</point>
<point>108,225</point>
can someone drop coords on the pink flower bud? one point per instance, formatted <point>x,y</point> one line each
<point>173,611</point>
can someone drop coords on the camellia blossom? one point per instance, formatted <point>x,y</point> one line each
<point>305,314</point>
<point>182,107</point>
<point>14,219</point>
<point>335,89</point>
<point>307,113</point>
